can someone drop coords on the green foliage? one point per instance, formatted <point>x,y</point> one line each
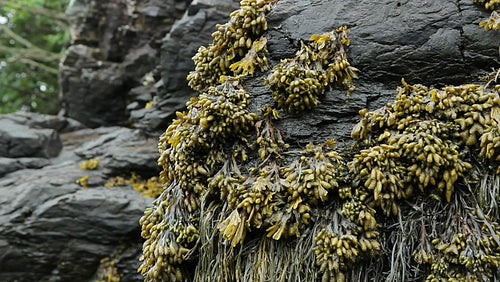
<point>32,38</point>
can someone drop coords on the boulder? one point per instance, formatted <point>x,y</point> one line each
<point>17,140</point>
<point>35,120</point>
<point>60,232</point>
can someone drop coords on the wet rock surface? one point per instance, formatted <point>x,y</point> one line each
<point>53,229</point>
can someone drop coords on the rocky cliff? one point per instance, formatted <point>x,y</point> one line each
<point>123,79</point>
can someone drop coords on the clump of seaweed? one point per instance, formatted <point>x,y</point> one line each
<point>276,198</point>
<point>269,213</point>
<point>321,63</point>
<point>190,150</point>
<point>488,4</point>
<point>151,187</point>
<point>415,142</point>
<point>107,272</point>
<point>90,164</point>
<point>428,141</point>
<point>349,238</point>
<point>492,23</point>
<point>191,147</point>
<point>237,46</point>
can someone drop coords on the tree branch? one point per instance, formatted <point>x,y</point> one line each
<point>37,64</point>
<point>43,53</point>
<point>59,17</point>
<point>31,53</point>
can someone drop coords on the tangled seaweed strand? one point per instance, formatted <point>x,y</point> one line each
<point>349,238</point>
<point>319,64</point>
<point>277,198</point>
<point>492,23</point>
<point>232,40</point>
<point>190,149</point>
<point>488,4</point>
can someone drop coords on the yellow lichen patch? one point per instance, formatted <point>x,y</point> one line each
<point>107,271</point>
<point>116,181</point>
<point>82,181</point>
<point>321,63</point>
<point>231,43</point>
<point>90,164</point>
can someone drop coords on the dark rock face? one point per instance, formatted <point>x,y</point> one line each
<point>431,42</point>
<point>123,150</point>
<point>19,140</point>
<point>436,42</point>
<point>186,36</point>
<point>178,47</point>
<point>115,44</point>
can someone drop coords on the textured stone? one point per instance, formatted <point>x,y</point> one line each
<point>35,120</point>
<point>436,42</point>
<point>181,44</point>
<point>10,164</point>
<point>61,230</point>
<point>123,150</point>
<point>114,44</point>
<point>18,140</point>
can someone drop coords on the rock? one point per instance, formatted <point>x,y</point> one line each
<point>18,140</point>
<point>181,44</point>
<point>123,150</point>
<point>150,119</point>
<point>432,42</point>
<point>139,62</point>
<point>63,231</point>
<point>114,43</point>
<point>35,120</point>
<point>89,84</point>
<point>10,164</point>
